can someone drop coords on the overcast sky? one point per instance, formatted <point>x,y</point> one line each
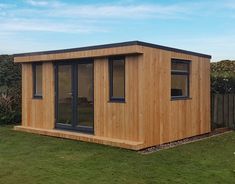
<point>206,26</point>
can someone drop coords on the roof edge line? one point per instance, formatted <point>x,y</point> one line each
<point>111,45</point>
<point>173,49</point>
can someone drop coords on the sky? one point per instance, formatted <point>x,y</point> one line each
<point>205,26</point>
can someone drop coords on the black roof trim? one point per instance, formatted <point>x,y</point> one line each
<point>173,49</point>
<point>130,43</point>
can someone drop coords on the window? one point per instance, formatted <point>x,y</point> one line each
<point>117,79</point>
<point>37,80</point>
<point>180,78</point>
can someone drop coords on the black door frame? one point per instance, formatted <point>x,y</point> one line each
<point>74,85</point>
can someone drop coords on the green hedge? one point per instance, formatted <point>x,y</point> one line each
<point>223,77</point>
<point>10,90</point>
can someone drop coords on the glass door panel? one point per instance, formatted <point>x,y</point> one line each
<point>74,96</point>
<point>65,100</point>
<point>85,111</point>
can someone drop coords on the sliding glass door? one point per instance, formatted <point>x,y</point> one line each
<point>74,96</point>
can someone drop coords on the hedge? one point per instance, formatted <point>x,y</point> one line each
<point>10,90</point>
<point>223,77</point>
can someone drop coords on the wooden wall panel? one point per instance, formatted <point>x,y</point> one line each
<point>26,94</point>
<point>49,96</point>
<point>116,120</point>
<point>168,120</point>
<point>38,113</point>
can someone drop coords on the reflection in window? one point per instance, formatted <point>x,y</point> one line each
<point>179,78</point>
<point>37,80</point>
<point>117,79</point>
<point>64,94</point>
<point>85,95</point>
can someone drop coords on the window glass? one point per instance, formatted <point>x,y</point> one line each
<point>179,85</point>
<point>117,77</point>
<point>64,95</point>
<point>175,66</point>
<point>179,78</point>
<point>38,80</point>
<point>85,108</point>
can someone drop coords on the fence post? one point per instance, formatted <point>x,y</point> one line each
<point>214,110</point>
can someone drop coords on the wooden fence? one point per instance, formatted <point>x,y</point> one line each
<point>223,110</point>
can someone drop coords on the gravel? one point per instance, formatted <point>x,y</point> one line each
<point>213,133</point>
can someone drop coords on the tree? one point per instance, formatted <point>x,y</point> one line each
<point>10,90</point>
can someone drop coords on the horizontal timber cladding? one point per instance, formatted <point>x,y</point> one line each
<point>148,117</point>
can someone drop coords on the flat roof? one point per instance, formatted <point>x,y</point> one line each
<point>121,44</point>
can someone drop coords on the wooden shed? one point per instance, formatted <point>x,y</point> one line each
<point>132,95</point>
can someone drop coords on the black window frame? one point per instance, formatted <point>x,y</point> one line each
<point>111,98</point>
<point>36,96</point>
<point>184,73</point>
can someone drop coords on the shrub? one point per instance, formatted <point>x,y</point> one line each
<point>10,90</point>
<point>223,77</point>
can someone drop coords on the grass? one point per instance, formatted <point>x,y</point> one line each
<point>29,158</point>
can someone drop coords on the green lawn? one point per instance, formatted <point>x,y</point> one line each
<point>28,158</point>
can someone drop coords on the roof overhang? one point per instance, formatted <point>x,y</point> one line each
<point>124,48</point>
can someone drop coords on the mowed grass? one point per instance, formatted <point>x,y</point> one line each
<point>30,158</point>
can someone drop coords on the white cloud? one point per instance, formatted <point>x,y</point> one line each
<point>57,16</point>
<point>119,11</point>
<point>230,4</point>
<point>37,3</point>
<point>54,16</point>
<point>41,3</point>
<point>20,25</point>
<point>2,5</point>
